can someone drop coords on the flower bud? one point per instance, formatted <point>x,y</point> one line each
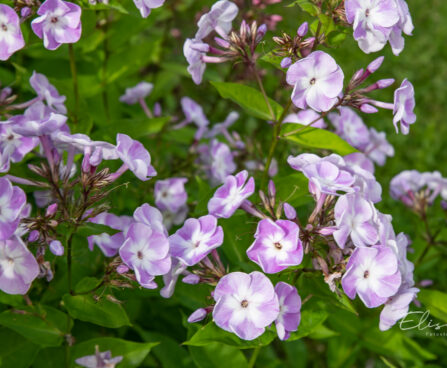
<point>157,109</point>
<point>262,30</point>
<point>302,30</point>
<point>122,269</point>
<point>191,279</point>
<point>197,315</point>
<point>51,210</point>
<point>33,236</point>
<point>286,62</point>
<point>375,64</point>
<point>289,211</point>
<point>368,109</point>
<point>56,248</point>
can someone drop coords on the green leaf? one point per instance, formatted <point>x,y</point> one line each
<point>13,300</point>
<point>86,284</point>
<point>273,59</point>
<point>215,355</point>
<point>435,301</point>
<point>89,228</point>
<point>310,322</point>
<point>102,312</point>
<point>41,325</point>
<point>210,333</point>
<point>250,99</point>
<point>317,138</point>
<point>307,6</point>
<point>133,353</point>
<point>15,351</point>
<point>322,332</point>
<point>293,189</point>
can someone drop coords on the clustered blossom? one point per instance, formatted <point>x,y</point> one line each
<point>317,81</point>
<point>416,189</point>
<point>59,23</point>
<point>376,22</point>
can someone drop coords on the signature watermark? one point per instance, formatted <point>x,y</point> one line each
<point>421,321</point>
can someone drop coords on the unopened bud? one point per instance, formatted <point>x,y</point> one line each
<point>289,211</point>
<point>197,315</point>
<point>286,62</point>
<point>302,30</point>
<point>56,248</point>
<point>51,210</point>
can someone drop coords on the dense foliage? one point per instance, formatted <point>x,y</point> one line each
<point>206,184</point>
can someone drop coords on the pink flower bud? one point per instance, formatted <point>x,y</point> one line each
<point>51,210</point>
<point>197,315</point>
<point>122,269</point>
<point>302,30</point>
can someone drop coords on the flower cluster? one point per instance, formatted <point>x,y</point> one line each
<point>376,22</point>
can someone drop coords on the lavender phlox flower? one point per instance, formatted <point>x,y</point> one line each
<point>48,93</point>
<point>276,246</point>
<point>404,104</point>
<point>135,158</point>
<point>18,267</point>
<point>146,251</point>
<point>99,360</point>
<point>109,244</point>
<point>13,146</point>
<point>354,217</point>
<point>170,194</point>
<point>12,203</point>
<point>193,114</point>
<point>406,185</point>
<point>219,19</point>
<point>373,21</point>
<point>195,51</point>
<point>405,25</point>
<point>196,239</point>
<point>133,95</point>
<point>230,196</point>
<point>59,22</point>
<point>245,304</point>
<point>170,278</point>
<point>217,160</point>
<point>350,127</point>
<point>317,81</point>
<point>378,148</point>
<point>289,316</point>
<point>145,6</point>
<point>11,38</point>
<point>373,274</point>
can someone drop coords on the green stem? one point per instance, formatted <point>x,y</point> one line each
<point>69,262</point>
<point>261,86</point>
<point>105,97</point>
<point>274,143</point>
<point>430,241</point>
<point>253,357</point>
<point>74,76</point>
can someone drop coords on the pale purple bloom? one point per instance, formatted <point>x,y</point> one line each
<point>276,246</point>
<point>145,6</point>
<point>170,194</point>
<point>197,315</point>
<point>59,22</point>
<point>373,274</point>
<point>13,146</point>
<point>396,307</point>
<point>361,160</point>
<point>326,177</point>
<point>289,310</point>
<point>146,251</point>
<point>229,197</point>
<point>350,127</point>
<point>305,117</point>
<point>373,21</point>
<point>109,244</point>
<point>99,360</point>
<point>354,217</point>
<point>56,248</point>
<point>245,304</point>
<point>217,161</point>
<point>175,218</point>
<point>404,105</point>
<point>171,277</point>
<point>18,267</point>
<point>38,120</point>
<point>405,25</point>
<point>48,93</point>
<point>137,93</point>
<point>11,38</point>
<point>222,128</point>
<point>378,148</point>
<point>196,239</point>
<point>12,203</point>
<point>150,216</point>
<point>193,114</point>
<point>135,157</point>
<point>219,19</point>
<point>317,81</point>
<point>408,183</point>
<point>194,51</point>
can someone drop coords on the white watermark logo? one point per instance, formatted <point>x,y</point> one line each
<point>421,321</point>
